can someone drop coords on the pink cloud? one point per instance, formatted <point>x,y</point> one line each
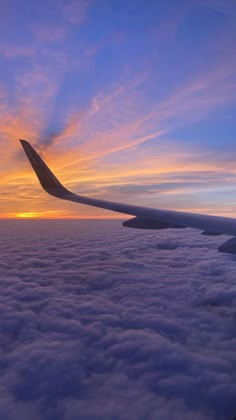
<point>75,12</point>
<point>50,32</point>
<point>13,51</point>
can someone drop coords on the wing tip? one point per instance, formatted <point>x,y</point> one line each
<point>25,144</point>
<point>23,141</point>
<point>45,176</point>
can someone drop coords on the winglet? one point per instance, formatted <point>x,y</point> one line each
<point>46,178</point>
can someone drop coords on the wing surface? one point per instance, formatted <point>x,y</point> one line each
<point>207,223</point>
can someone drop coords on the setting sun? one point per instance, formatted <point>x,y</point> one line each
<point>29,215</point>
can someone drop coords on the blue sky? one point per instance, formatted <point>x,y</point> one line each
<point>120,93</point>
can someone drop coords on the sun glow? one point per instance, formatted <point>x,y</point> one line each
<point>28,215</point>
<point>40,215</point>
<point>59,215</point>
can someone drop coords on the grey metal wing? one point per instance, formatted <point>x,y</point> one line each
<point>145,217</point>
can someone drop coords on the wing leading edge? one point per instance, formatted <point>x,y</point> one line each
<point>152,217</point>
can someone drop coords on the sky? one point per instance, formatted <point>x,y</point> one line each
<point>102,322</point>
<point>132,101</point>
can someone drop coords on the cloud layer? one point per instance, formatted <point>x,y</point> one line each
<point>102,322</point>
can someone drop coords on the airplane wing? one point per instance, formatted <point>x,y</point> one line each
<point>145,217</point>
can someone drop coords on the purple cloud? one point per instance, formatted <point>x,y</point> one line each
<point>102,322</point>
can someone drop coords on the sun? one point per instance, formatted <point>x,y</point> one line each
<point>28,215</point>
